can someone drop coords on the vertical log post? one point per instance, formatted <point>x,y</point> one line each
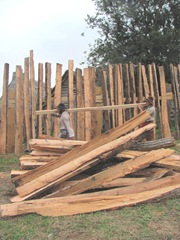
<point>140,88</point>
<point>48,96</point>
<point>80,104</point>
<point>175,88</point>
<point>33,97</point>
<point>19,137</point>
<point>120,95</point>
<point>26,102</point>
<point>4,111</point>
<point>111,84</point>
<point>127,92</point>
<point>157,99</point>
<point>150,76</point>
<point>145,82</point>
<point>92,94</point>
<point>164,113</point>
<point>106,102</point>
<point>57,96</point>
<point>71,92</point>
<point>40,97</point>
<point>133,88</point>
<point>87,98</point>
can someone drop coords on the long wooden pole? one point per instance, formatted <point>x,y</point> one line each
<point>38,112</point>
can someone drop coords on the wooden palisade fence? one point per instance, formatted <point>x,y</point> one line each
<point>86,93</point>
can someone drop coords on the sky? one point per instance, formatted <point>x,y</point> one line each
<point>51,28</point>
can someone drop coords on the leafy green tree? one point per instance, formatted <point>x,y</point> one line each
<point>136,31</point>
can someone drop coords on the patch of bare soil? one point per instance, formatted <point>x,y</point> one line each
<point>7,189</point>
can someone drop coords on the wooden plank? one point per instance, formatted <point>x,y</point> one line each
<point>119,92</point>
<point>166,133</point>
<point>15,173</point>
<point>77,205</point>
<point>57,96</point>
<point>117,171</point>
<point>44,153</point>
<point>140,88</point>
<point>19,135</point>
<point>58,143</point>
<point>33,101</point>
<point>83,204</point>
<point>98,124</point>
<point>57,149</point>
<point>71,92</point>
<point>127,92</point>
<point>150,76</point>
<point>175,88</point>
<point>38,158</point>
<point>11,122</point>
<point>157,99</point>
<point>80,104</point>
<point>48,95</point>
<point>133,105</point>
<point>89,146</point>
<point>133,87</point>
<point>87,98</point>
<point>157,175</point>
<point>111,85</point>
<point>172,162</point>
<point>4,111</point>
<point>28,165</point>
<point>26,102</point>
<point>130,154</point>
<point>92,91</point>
<point>151,86</point>
<point>145,82</point>
<point>106,101</point>
<point>40,96</point>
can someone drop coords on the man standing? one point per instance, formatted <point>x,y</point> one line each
<point>66,130</point>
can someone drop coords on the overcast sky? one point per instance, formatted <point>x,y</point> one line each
<point>51,28</point>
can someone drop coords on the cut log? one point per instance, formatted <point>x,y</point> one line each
<point>155,144</point>
<point>117,171</point>
<point>81,204</point>
<point>82,150</point>
<point>59,174</point>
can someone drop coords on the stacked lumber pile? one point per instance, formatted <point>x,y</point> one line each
<point>71,177</point>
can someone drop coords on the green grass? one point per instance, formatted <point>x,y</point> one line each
<point>9,162</point>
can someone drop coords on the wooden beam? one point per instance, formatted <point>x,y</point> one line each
<point>134,105</point>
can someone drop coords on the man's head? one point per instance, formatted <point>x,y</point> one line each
<point>149,101</point>
<point>61,107</point>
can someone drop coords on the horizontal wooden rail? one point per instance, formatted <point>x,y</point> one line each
<point>101,108</point>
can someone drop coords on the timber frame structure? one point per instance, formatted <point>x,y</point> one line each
<point>97,99</point>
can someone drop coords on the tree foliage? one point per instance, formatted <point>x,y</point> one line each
<point>136,31</point>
